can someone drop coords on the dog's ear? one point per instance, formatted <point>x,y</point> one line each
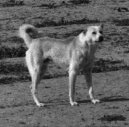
<point>84,31</point>
<point>101,26</point>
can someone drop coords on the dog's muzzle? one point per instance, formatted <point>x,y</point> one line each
<point>100,38</point>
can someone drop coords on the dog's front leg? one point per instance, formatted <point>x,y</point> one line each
<point>88,77</point>
<point>72,80</point>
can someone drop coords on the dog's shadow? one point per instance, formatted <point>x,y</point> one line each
<point>107,99</point>
<point>52,103</point>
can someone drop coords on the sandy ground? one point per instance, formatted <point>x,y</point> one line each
<point>61,19</point>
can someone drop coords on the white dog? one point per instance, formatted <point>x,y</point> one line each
<point>77,53</point>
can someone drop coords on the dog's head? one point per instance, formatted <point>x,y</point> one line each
<point>93,34</point>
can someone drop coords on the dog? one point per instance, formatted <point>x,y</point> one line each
<point>78,53</point>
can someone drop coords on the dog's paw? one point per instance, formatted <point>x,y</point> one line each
<point>73,103</point>
<point>40,104</point>
<point>94,101</point>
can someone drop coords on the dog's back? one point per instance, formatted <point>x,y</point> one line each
<point>57,49</point>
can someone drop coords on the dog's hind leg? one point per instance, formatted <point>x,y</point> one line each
<point>88,77</point>
<point>34,67</point>
<point>35,82</point>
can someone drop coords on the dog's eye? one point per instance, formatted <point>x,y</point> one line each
<point>94,33</point>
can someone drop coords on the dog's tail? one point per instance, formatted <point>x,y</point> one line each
<point>28,32</point>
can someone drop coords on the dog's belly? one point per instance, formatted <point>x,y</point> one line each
<point>58,55</point>
<point>61,57</point>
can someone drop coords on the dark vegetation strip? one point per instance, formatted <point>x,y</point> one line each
<point>11,52</point>
<point>12,3</point>
<point>80,1</point>
<point>19,71</point>
<point>113,117</point>
<point>49,23</point>
<point>100,66</point>
<point>65,3</point>
<point>121,22</point>
<point>41,22</point>
<point>50,5</point>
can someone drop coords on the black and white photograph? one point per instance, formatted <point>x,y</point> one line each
<point>64,63</point>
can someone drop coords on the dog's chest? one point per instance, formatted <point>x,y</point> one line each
<point>88,56</point>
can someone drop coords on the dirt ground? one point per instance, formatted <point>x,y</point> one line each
<point>17,108</point>
<point>62,19</point>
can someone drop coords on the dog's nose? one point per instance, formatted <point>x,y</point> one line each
<point>100,38</point>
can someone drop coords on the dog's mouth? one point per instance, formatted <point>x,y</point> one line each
<point>100,39</point>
